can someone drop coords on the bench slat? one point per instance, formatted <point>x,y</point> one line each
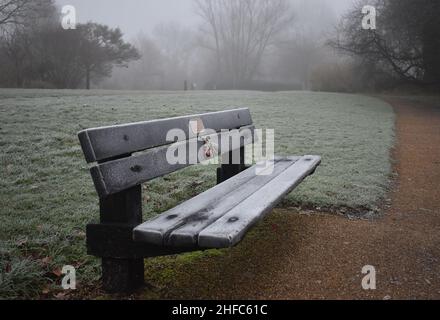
<point>105,143</point>
<point>118,175</point>
<point>154,230</point>
<point>231,228</point>
<point>187,235</point>
<point>181,225</point>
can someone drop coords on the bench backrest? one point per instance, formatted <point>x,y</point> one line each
<point>131,154</point>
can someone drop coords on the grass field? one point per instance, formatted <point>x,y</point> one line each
<point>47,194</point>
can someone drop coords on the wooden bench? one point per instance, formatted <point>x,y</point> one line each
<point>126,156</point>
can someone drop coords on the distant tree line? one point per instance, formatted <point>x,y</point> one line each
<point>35,51</point>
<point>239,44</point>
<point>293,44</point>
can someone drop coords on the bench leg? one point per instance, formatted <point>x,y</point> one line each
<point>122,275</point>
<point>227,171</point>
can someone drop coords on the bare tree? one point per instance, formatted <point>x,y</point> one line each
<point>406,42</point>
<point>147,72</point>
<point>176,44</point>
<point>11,11</point>
<point>302,47</point>
<point>143,74</point>
<point>21,22</point>
<point>239,32</point>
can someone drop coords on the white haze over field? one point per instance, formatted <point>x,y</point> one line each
<point>178,51</point>
<point>134,16</point>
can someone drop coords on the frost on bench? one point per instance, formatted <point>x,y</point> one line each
<point>221,216</point>
<point>123,157</point>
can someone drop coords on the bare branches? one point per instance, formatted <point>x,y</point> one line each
<point>11,11</point>
<point>241,31</point>
<point>404,42</point>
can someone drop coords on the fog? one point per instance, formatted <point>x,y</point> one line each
<point>269,45</point>
<point>134,16</point>
<point>172,37</point>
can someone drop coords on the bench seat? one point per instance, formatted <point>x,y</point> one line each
<point>221,216</point>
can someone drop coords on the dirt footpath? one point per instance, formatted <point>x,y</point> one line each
<point>318,256</point>
<point>404,245</point>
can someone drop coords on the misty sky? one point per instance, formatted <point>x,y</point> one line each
<point>134,16</point>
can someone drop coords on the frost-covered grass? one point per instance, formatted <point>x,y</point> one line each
<point>47,194</point>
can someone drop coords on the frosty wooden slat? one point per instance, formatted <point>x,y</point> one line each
<point>154,230</point>
<point>118,175</point>
<point>105,143</point>
<point>230,229</point>
<point>180,226</point>
<point>187,235</point>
